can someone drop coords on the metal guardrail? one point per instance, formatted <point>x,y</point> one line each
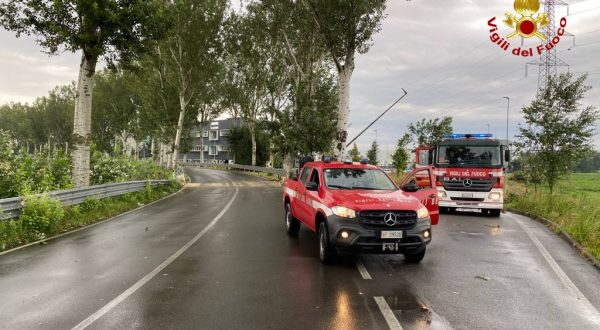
<point>274,171</point>
<point>11,207</point>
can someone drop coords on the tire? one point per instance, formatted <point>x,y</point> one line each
<point>326,251</point>
<point>414,258</point>
<point>292,225</point>
<point>494,213</point>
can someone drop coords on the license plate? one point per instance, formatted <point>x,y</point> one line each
<point>467,195</point>
<point>391,234</point>
<point>392,247</point>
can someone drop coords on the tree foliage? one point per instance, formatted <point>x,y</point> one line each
<point>372,153</point>
<point>401,156</point>
<point>47,121</point>
<point>354,153</point>
<point>591,163</point>
<point>559,128</point>
<point>427,132</point>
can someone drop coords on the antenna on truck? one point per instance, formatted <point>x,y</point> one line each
<point>376,119</point>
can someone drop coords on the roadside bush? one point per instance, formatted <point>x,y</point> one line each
<point>11,233</point>
<point>107,169</point>
<point>41,216</point>
<point>89,204</point>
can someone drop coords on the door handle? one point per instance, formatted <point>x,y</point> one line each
<point>432,196</point>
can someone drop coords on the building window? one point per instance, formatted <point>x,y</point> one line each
<point>214,135</point>
<point>212,151</point>
<point>214,125</point>
<point>198,134</point>
<point>225,132</point>
<point>205,134</point>
<point>224,148</point>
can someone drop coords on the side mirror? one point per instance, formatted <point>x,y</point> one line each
<point>410,187</point>
<point>312,186</point>
<point>507,155</point>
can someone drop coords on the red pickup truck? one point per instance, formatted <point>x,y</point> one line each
<point>356,207</point>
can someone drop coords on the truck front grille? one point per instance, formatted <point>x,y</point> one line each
<point>459,184</point>
<point>374,219</point>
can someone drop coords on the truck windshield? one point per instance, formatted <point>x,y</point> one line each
<point>468,156</point>
<point>357,178</point>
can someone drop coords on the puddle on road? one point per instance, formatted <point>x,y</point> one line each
<point>413,313</point>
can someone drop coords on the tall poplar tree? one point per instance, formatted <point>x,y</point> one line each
<point>347,27</point>
<point>109,29</point>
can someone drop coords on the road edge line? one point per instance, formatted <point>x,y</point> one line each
<point>132,289</point>
<point>563,277</point>
<point>90,225</point>
<point>388,314</point>
<point>583,251</point>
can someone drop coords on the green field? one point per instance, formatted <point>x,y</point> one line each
<point>574,206</point>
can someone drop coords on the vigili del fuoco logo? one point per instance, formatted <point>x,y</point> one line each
<point>527,23</point>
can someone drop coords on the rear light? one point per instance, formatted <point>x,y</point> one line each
<point>499,183</point>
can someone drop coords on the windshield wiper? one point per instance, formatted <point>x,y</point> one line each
<point>366,188</point>
<point>339,187</point>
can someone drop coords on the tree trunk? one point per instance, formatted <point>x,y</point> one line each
<point>343,109</point>
<point>183,106</point>
<point>253,135</point>
<point>272,154</point>
<point>80,156</point>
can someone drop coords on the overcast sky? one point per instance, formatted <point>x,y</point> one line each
<point>439,51</point>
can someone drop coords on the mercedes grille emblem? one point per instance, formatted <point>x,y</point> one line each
<point>467,182</point>
<point>389,219</point>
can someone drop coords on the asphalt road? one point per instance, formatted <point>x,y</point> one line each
<point>215,256</point>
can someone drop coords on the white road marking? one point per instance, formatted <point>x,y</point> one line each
<point>587,307</point>
<point>113,303</point>
<point>362,269</point>
<point>388,314</point>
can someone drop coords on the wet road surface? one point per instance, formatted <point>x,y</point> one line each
<point>215,256</point>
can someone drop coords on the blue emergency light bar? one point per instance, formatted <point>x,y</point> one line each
<point>469,136</point>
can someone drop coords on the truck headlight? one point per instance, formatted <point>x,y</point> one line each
<point>495,196</point>
<point>343,212</point>
<point>422,212</point>
<point>442,194</point>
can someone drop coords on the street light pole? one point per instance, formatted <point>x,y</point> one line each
<point>507,111</point>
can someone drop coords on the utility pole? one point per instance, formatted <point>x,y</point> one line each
<point>548,61</point>
<point>507,112</point>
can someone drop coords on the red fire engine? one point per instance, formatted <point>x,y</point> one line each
<point>470,171</point>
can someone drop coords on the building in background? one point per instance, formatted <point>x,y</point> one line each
<point>212,141</point>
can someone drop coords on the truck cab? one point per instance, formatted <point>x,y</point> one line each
<point>469,170</point>
<point>357,208</point>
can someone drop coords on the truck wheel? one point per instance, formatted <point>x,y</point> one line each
<point>292,225</point>
<point>414,258</point>
<point>495,213</point>
<point>326,251</point>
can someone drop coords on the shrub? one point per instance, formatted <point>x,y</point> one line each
<point>106,169</point>
<point>89,204</point>
<point>41,216</point>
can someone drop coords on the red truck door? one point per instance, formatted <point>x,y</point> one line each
<point>301,208</point>
<point>424,179</point>
<point>312,198</point>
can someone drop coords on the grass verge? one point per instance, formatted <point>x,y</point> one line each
<point>574,207</point>
<point>43,217</point>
